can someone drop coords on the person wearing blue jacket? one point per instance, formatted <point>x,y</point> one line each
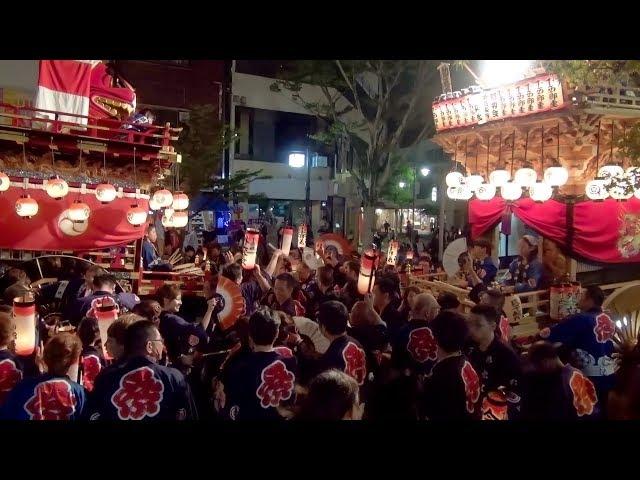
<point>52,395</point>
<point>526,272</point>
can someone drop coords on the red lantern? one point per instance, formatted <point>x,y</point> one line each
<point>24,318</point>
<point>250,249</point>
<point>287,236</point>
<point>106,311</point>
<point>392,253</point>
<point>302,235</point>
<point>26,206</point>
<point>367,272</point>
<point>163,197</point>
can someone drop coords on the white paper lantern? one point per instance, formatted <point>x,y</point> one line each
<point>26,206</point>
<point>511,191</point>
<point>499,177</point>
<point>462,192</point>
<point>163,197</point>
<point>525,177</point>
<point>486,191</point>
<point>136,215</point>
<point>596,190</point>
<point>618,193</point>
<point>540,192</point>
<point>454,179</point>
<point>5,182</point>
<point>637,193</point>
<point>153,205</point>
<point>180,201</point>
<point>180,219</point>
<point>79,211</point>
<point>56,188</point>
<point>610,171</point>
<point>474,181</point>
<point>105,192</point>
<point>167,218</point>
<point>556,176</point>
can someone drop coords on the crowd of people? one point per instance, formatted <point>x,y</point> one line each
<point>310,346</point>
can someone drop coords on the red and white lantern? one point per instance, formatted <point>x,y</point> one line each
<point>79,212</point>
<point>5,182</point>
<point>26,206</point>
<point>392,253</point>
<point>367,276</point>
<point>56,187</point>
<point>302,235</point>
<point>180,201</point>
<point>163,197</point>
<point>136,215</point>
<point>250,249</point>
<point>105,193</point>
<point>180,219</point>
<point>24,318</point>
<point>410,254</point>
<point>106,311</point>
<point>287,236</point>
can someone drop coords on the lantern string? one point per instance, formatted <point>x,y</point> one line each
<point>24,154</point>
<point>598,150</point>
<point>624,134</point>
<point>488,147</point>
<point>455,155</point>
<point>498,164</point>
<point>611,150</point>
<point>53,160</point>
<point>477,151</point>
<point>135,173</point>
<point>526,149</point>
<point>558,152</point>
<point>513,149</point>
<point>465,154</point>
<point>542,152</point>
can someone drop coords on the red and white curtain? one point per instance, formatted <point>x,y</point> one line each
<point>63,86</point>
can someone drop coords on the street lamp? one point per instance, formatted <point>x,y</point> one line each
<point>402,184</point>
<point>424,171</point>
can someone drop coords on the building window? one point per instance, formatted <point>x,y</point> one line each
<point>434,194</point>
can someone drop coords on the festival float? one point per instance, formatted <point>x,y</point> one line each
<point>548,155</point>
<point>80,183</point>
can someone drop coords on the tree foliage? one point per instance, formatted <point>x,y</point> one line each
<point>368,108</point>
<point>236,186</point>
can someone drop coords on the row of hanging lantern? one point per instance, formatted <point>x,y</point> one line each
<point>174,204</point>
<point>461,187</point>
<point>613,180</point>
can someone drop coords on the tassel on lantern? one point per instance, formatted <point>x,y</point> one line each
<point>24,318</point>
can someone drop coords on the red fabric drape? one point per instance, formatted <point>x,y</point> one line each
<point>607,232</point>
<point>107,226</point>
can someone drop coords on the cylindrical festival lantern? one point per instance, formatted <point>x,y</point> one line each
<point>180,201</point>
<point>24,317</point>
<point>106,312</point>
<point>494,406</point>
<point>250,249</point>
<point>180,219</point>
<point>410,254</point>
<point>367,271</point>
<point>392,253</point>
<point>287,236</point>
<point>302,235</point>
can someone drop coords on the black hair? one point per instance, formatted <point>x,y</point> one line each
<point>387,284</point>
<point>232,271</point>
<point>487,311</point>
<point>448,300</point>
<point>332,394</point>
<point>334,316</point>
<point>104,279</point>
<point>137,335</point>
<point>596,294</point>
<point>288,278</point>
<point>88,331</point>
<point>481,242</point>
<point>325,275</point>
<point>450,331</point>
<point>264,325</point>
<point>474,294</point>
<point>534,253</point>
<point>189,248</point>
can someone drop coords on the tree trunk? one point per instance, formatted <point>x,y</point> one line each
<point>368,226</point>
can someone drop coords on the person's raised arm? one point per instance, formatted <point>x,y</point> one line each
<point>264,284</point>
<point>271,268</point>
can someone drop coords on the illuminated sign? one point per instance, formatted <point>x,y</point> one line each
<point>533,95</point>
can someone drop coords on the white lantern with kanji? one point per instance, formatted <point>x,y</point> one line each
<point>287,236</point>
<point>540,192</point>
<point>5,182</point>
<point>56,188</point>
<point>105,193</point>
<point>474,181</point>
<point>302,235</point>
<point>486,191</point>
<point>511,191</point>
<point>499,177</point>
<point>163,197</point>
<point>367,276</point>
<point>392,253</point>
<point>180,201</point>
<point>26,207</point>
<point>180,219</point>
<point>79,211</point>
<point>596,190</point>
<point>525,177</point>
<point>106,311</point>
<point>556,176</point>
<point>167,218</point>
<point>454,179</point>
<point>250,249</point>
<point>136,215</point>
<point>610,171</point>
